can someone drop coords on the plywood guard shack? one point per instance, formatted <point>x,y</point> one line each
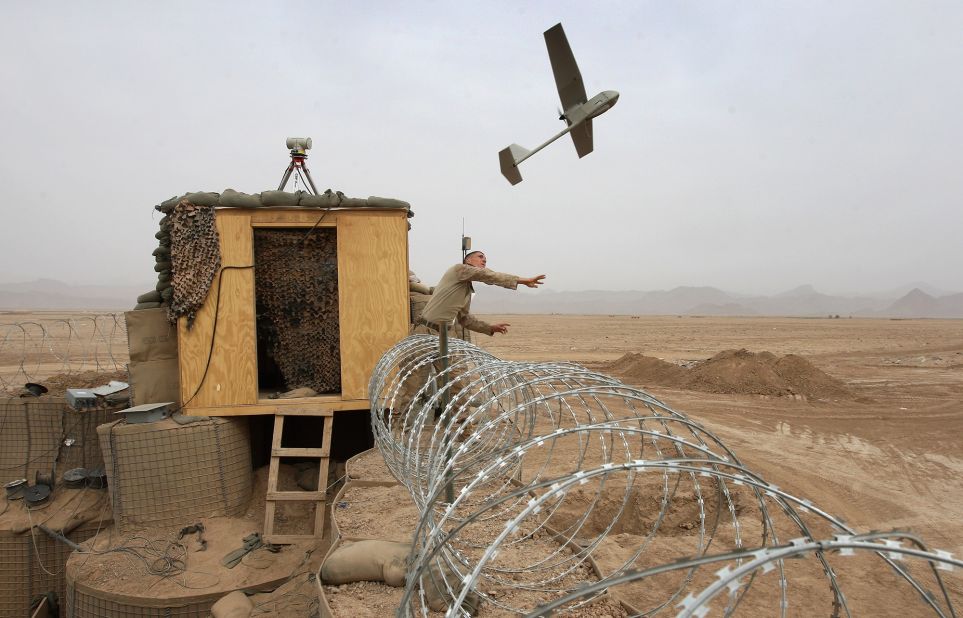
<point>218,363</point>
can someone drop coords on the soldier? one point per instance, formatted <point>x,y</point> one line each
<point>451,303</point>
<point>418,296</point>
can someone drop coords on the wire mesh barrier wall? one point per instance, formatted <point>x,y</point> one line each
<point>544,486</point>
<point>44,434</point>
<point>85,602</point>
<point>31,351</point>
<point>164,473</point>
<point>34,564</point>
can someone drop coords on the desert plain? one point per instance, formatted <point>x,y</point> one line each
<point>879,445</point>
<point>888,455</point>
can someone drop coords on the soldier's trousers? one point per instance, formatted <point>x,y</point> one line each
<point>420,376</point>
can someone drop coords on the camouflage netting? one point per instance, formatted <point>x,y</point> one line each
<point>165,473</point>
<point>37,434</point>
<point>297,291</point>
<point>195,258</point>
<point>164,290</point>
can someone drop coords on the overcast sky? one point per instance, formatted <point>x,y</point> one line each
<point>756,146</point>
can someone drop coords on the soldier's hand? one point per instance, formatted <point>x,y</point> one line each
<point>532,282</point>
<point>500,328</point>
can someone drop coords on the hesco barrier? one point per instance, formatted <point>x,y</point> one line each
<point>84,602</point>
<point>165,473</point>
<point>36,432</point>
<point>28,570</point>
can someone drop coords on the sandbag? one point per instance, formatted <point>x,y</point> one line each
<point>163,283</point>
<point>436,591</point>
<point>233,605</point>
<point>167,294</point>
<point>325,200</point>
<point>203,198</point>
<point>280,198</point>
<point>354,202</point>
<point>373,561</point>
<point>386,202</point>
<point>162,251</point>
<point>168,205</point>
<point>149,297</point>
<point>161,266</point>
<point>234,199</point>
<point>141,306</point>
<point>298,393</point>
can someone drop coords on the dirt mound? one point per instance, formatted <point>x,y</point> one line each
<point>734,372</point>
<point>632,367</point>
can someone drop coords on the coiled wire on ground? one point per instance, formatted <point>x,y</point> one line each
<point>31,351</point>
<point>526,475</point>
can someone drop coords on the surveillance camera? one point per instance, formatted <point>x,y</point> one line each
<point>299,143</point>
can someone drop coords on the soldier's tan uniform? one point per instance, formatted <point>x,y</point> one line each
<point>451,303</point>
<point>451,300</point>
<point>418,296</point>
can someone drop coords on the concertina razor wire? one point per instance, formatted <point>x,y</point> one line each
<point>31,351</point>
<point>526,475</point>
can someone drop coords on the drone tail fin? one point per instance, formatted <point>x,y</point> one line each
<point>509,158</point>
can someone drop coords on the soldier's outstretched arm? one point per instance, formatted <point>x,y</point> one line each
<point>532,282</point>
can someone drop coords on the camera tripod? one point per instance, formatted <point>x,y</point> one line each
<point>298,163</point>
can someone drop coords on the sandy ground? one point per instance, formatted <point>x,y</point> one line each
<point>890,458</point>
<point>882,451</point>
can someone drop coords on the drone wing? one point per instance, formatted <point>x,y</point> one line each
<point>568,79</point>
<point>582,137</point>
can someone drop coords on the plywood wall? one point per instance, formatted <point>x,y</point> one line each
<point>231,376</point>
<point>373,307</point>
<point>373,285</point>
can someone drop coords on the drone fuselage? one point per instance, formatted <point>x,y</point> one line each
<point>596,106</point>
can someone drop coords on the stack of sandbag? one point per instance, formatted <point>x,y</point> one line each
<point>163,292</point>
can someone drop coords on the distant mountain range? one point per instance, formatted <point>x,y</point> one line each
<point>53,294</point>
<point>921,301</point>
<point>803,301</point>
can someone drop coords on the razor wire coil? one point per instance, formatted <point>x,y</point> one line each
<point>525,472</point>
<point>33,350</point>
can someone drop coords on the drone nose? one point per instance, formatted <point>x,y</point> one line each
<point>613,97</point>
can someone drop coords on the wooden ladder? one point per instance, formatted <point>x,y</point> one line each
<point>318,497</point>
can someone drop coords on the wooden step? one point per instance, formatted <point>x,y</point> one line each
<point>318,497</point>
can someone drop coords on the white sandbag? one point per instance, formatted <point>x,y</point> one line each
<point>373,561</point>
<point>233,605</point>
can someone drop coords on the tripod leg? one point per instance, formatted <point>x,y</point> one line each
<point>307,174</point>
<point>286,177</point>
